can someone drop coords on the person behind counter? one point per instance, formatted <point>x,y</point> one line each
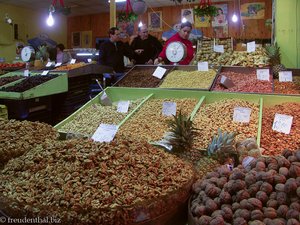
<point>145,46</point>
<point>61,56</point>
<point>112,51</point>
<point>182,36</point>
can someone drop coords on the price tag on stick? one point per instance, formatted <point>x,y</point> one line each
<point>219,48</point>
<point>241,114</point>
<point>251,46</point>
<point>263,74</point>
<point>169,108</point>
<point>285,76</point>
<point>202,66</point>
<point>159,72</point>
<point>26,73</point>
<point>123,106</point>
<point>105,132</point>
<point>73,61</point>
<point>282,123</point>
<point>45,72</point>
<point>57,64</point>
<point>48,64</point>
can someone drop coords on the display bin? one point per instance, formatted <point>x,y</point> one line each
<point>3,112</point>
<point>138,78</point>
<point>191,68</point>
<point>296,76</point>
<point>243,71</point>
<point>56,85</point>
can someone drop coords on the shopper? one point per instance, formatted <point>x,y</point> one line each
<point>182,36</point>
<point>61,56</point>
<point>112,51</point>
<point>145,46</point>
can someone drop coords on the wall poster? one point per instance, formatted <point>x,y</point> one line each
<point>254,10</point>
<point>76,39</point>
<point>188,14</point>
<point>155,21</point>
<point>220,22</point>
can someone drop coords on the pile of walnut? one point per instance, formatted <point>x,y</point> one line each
<point>268,193</point>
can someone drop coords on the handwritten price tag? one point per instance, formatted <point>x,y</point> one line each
<point>105,132</point>
<point>45,72</point>
<point>263,74</point>
<point>285,76</point>
<point>26,73</point>
<point>89,60</point>
<point>73,61</point>
<point>159,72</point>
<point>202,66</point>
<point>57,64</point>
<point>219,48</point>
<point>123,106</point>
<point>282,123</point>
<point>241,114</point>
<point>251,46</point>
<point>169,108</point>
<point>48,64</point>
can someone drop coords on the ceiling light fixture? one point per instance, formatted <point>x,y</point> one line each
<point>183,20</point>
<point>50,19</point>
<point>140,24</point>
<point>234,17</point>
<point>116,1</point>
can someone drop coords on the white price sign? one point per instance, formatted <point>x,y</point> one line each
<point>73,61</point>
<point>282,123</point>
<point>241,114</point>
<point>263,74</point>
<point>285,76</point>
<point>105,132</point>
<point>251,46</point>
<point>159,72</point>
<point>45,72</point>
<point>219,48</point>
<point>89,60</point>
<point>169,108</point>
<point>57,64</point>
<point>26,73</point>
<point>48,64</point>
<point>202,66</point>
<point>123,106</point>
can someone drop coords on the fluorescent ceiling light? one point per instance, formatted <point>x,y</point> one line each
<point>84,54</point>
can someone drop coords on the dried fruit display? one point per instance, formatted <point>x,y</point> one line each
<point>249,196</point>
<point>87,120</point>
<point>288,87</point>
<point>244,82</point>
<point>275,142</point>
<point>6,80</point>
<point>236,58</point>
<point>140,77</point>
<point>84,182</point>
<point>70,66</point>
<point>19,137</point>
<point>189,79</point>
<point>17,65</point>
<point>205,47</point>
<point>28,83</point>
<point>219,114</point>
<point>148,123</point>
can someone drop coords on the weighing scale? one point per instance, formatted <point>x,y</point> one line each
<point>27,54</point>
<point>175,52</point>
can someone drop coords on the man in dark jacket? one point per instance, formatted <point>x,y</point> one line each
<point>112,51</point>
<point>145,46</point>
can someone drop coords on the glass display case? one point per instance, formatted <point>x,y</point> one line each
<point>83,54</point>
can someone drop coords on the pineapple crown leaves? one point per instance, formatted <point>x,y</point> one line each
<point>273,52</point>
<point>42,53</point>
<point>222,146</point>
<point>182,132</point>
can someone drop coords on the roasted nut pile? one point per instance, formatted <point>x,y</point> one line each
<point>244,83</point>
<point>19,137</point>
<point>287,87</point>
<point>70,66</point>
<point>140,77</point>
<point>266,193</point>
<point>220,115</point>
<point>87,182</point>
<point>88,120</point>
<point>275,142</point>
<point>6,80</point>
<point>149,123</point>
<point>189,79</point>
<point>29,82</point>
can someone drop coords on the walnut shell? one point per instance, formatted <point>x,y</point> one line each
<point>262,196</point>
<point>250,179</point>
<point>297,154</point>
<point>217,221</point>
<point>290,186</point>
<point>227,214</point>
<point>292,158</point>
<point>279,179</point>
<point>212,174</point>
<point>272,203</point>
<point>273,166</point>
<point>279,187</point>
<point>212,191</point>
<point>270,213</point>
<point>295,206</point>
<point>239,221</point>
<point>270,160</point>
<point>244,204</point>
<point>268,221</point>
<point>242,194</point>
<point>221,182</point>
<point>260,166</point>
<point>257,215</point>
<point>236,206</point>
<point>256,222</point>
<point>278,221</point>
<point>286,153</point>
<point>253,189</point>
<point>298,192</point>
<point>198,211</point>
<point>294,170</point>
<point>225,197</point>
<point>268,177</point>
<point>282,198</point>
<point>210,206</point>
<point>217,213</point>
<point>237,174</point>
<point>273,195</point>
<point>234,186</point>
<point>292,213</point>
<point>266,187</point>
<point>282,210</point>
<point>244,213</point>
<point>292,222</point>
<point>254,204</point>
<point>205,220</point>
<point>283,162</point>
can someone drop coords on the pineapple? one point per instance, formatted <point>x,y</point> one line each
<point>273,52</point>
<point>222,147</point>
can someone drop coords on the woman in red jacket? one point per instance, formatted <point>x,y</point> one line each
<point>182,36</point>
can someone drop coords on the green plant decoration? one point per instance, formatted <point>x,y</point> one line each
<point>42,53</point>
<point>206,10</point>
<point>127,17</point>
